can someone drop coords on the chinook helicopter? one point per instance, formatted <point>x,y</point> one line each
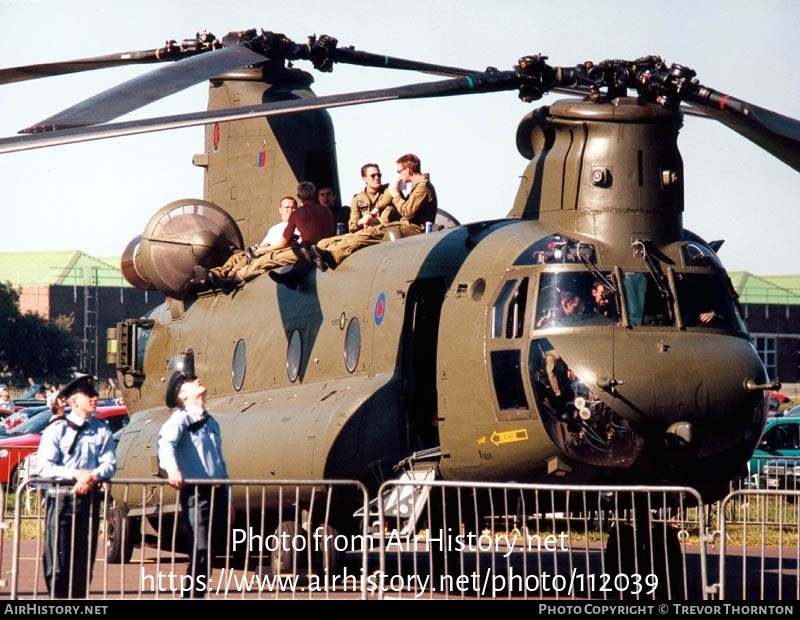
<point>584,337</point>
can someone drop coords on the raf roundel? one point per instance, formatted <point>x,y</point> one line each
<point>380,308</point>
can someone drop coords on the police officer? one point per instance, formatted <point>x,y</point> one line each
<point>190,446</point>
<point>77,449</point>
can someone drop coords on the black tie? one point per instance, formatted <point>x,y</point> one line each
<point>196,426</point>
<point>78,428</point>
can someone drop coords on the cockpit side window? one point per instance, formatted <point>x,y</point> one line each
<point>575,299</point>
<point>508,312</point>
<point>705,301</point>
<point>646,303</point>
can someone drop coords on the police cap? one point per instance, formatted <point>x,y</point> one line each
<point>174,384</point>
<point>83,384</point>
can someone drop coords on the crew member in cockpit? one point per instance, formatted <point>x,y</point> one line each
<point>571,306</point>
<point>568,306</point>
<point>602,297</point>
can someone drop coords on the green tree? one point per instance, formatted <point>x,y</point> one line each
<point>31,346</point>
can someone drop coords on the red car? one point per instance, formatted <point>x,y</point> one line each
<point>24,440</point>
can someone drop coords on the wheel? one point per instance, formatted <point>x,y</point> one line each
<point>656,551</point>
<point>13,479</point>
<point>287,558</point>
<point>120,534</point>
<point>326,558</point>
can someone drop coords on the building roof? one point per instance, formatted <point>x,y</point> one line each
<point>67,268</point>
<point>777,290</point>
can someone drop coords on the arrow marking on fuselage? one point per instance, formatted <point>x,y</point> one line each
<point>509,436</point>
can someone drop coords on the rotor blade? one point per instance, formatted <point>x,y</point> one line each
<point>480,83</point>
<point>777,134</point>
<point>368,59</point>
<point>51,69</point>
<point>203,41</point>
<point>145,89</point>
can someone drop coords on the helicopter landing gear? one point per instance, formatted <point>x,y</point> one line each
<point>647,550</point>
<point>285,558</point>
<point>297,551</point>
<point>120,536</point>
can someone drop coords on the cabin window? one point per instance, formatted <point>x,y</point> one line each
<point>294,355</point>
<point>352,345</point>
<point>507,377</point>
<point>182,362</point>
<point>239,364</point>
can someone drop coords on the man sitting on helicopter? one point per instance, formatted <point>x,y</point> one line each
<point>270,242</point>
<point>416,208</point>
<point>311,220</point>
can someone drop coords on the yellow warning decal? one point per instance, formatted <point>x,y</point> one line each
<point>506,437</point>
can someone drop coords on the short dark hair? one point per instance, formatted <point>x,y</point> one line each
<point>365,166</point>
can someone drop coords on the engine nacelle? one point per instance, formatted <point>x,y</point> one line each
<point>180,242</point>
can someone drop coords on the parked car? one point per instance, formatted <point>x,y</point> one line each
<point>24,440</point>
<point>782,474</point>
<point>781,438</point>
<point>19,417</point>
<point>779,404</point>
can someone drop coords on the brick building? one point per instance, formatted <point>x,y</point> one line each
<point>771,307</point>
<point>90,290</point>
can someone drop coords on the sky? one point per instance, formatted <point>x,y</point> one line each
<point>97,196</point>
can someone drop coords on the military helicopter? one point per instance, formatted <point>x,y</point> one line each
<point>454,350</point>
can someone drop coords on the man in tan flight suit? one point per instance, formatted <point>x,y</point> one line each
<point>373,205</point>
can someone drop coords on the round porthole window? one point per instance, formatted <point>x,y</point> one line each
<point>239,364</point>
<point>294,355</point>
<point>352,345</point>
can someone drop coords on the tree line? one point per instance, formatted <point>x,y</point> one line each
<point>31,346</point>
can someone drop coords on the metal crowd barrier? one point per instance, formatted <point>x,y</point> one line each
<point>419,538</point>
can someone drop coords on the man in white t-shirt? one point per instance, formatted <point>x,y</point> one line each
<point>275,232</point>
<point>273,236</point>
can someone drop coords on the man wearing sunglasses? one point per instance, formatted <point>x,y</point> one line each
<point>373,205</point>
<point>415,208</point>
